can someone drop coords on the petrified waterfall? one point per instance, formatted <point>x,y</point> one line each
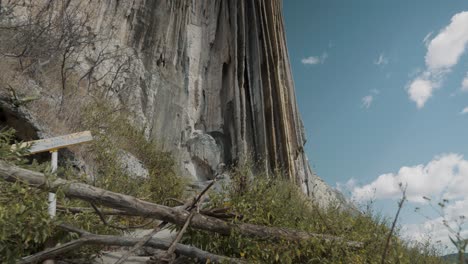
<point>211,80</point>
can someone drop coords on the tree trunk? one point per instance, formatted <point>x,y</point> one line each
<point>142,208</point>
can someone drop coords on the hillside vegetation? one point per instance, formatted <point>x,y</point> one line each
<point>76,80</point>
<point>259,200</point>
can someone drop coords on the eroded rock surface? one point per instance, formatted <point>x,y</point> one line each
<point>209,79</point>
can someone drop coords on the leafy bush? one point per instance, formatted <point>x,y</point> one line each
<point>25,225</point>
<point>113,132</point>
<point>276,202</point>
<point>24,222</point>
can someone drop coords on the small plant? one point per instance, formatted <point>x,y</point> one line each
<point>454,227</point>
<point>392,228</point>
<point>25,225</point>
<point>113,133</point>
<point>272,201</point>
<point>24,222</point>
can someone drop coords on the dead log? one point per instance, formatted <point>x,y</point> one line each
<point>170,251</point>
<point>139,207</point>
<point>220,213</point>
<point>108,240</point>
<point>78,210</point>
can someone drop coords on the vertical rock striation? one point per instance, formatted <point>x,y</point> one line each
<point>211,80</point>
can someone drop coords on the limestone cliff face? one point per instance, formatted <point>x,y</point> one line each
<point>211,80</point>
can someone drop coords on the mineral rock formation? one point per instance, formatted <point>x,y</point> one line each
<point>210,79</point>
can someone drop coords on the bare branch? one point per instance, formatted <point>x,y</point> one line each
<point>170,251</point>
<point>392,229</point>
<point>138,245</point>
<point>105,222</point>
<point>78,210</point>
<point>146,209</point>
<point>55,251</point>
<point>107,240</point>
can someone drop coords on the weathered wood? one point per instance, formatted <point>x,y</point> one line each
<point>107,240</point>
<point>146,209</point>
<point>220,213</point>
<point>55,143</point>
<point>78,210</point>
<point>170,251</point>
<point>138,245</point>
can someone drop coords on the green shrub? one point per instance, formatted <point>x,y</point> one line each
<point>275,202</point>
<point>113,132</point>
<point>25,225</point>
<point>24,222</point>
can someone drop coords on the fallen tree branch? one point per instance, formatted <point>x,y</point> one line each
<point>78,210</point>
<point>146,209</point>
<point>105,222</point>
<point>59,250</point>
<point>145,239</point>
<point>220,213</point>
<point>171,249</point>
<point>197,199</point>
<point>108,240</point>
<point>138,245</point>
<point>169,254</point>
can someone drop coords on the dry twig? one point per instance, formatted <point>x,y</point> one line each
<point>392,229</point>
<point>139,207</point>
<point>107,240</point>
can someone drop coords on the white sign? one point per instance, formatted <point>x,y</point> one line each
<point>51,144</point>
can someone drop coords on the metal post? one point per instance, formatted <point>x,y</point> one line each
<point>53,145</point>
<point>52,198</point>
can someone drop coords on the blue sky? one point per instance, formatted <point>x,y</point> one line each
<point>382,86</point>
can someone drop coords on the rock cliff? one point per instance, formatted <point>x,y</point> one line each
<point>209,79</point>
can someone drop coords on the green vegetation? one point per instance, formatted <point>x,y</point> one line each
<point>275,202</point>
<point>114,133</point>
<point>25,225</point>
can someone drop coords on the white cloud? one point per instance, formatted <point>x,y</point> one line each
<point>313,60</point>
<point>348,186</point>
<point>464,111</point>
<point>435,230</point>
<point>420,90</point>
<point>375,91</point>
<point>381,60</point>
<point>445,49</point>
<point>464,86</point>
<point>426,39</point>
<point>414,72</point>
<point>445,176</point>
<point>367,101</point>
<point>443,52</point>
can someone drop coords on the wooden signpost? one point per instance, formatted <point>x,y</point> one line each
<point>53,145</point>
